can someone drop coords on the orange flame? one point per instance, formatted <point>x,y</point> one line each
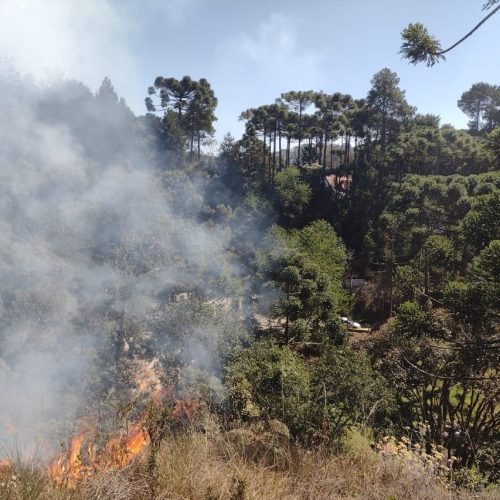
<point>83,459</point>
<point>5,466</point>
<point>119,451</point>
<point>74,451</point>
<point>70,467</point>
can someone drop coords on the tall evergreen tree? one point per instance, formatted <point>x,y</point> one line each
<point>298,102</point>
<point>481,103</point>
<point>388,106</point>
<point>192,102</point>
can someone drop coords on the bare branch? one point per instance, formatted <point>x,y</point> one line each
<point>442,377</point>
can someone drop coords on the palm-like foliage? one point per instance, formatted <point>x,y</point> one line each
<point>420,46</point>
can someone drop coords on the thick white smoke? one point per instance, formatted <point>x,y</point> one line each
<point>89,231</point>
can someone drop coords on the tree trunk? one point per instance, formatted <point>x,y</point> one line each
<point>324,150</point>
<point>279,146</point>
<point>321,145</point>
<point>264,155</point>
<point>347,149</point>
<point>191,146</point>
<point>383,131</point>
<point>274,152</point>
<point>300,135</point>
<point>269,157</point>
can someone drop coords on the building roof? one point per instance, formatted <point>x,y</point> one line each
<point>338,182</point>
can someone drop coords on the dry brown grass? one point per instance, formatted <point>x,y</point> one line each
<point>211,466</point>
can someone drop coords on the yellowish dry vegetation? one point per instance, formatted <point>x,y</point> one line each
<point>209,466</point>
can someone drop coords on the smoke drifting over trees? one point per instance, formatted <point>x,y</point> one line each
<point>329,276</point>
<point>93,240</point>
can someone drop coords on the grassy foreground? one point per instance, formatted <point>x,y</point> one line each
<point>238,465</point>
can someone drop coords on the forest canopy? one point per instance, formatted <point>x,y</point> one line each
<point>170,286</point>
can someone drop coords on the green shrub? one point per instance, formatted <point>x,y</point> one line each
<point>347,391</point>
<point>269,382</point>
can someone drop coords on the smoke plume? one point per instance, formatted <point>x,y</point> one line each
<point>95,244</point>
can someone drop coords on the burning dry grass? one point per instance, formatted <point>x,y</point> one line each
<point>209,466</point>
<point>84,461</point>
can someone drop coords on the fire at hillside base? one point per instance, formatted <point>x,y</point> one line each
<point>83,457</point>
<point>83,460</point>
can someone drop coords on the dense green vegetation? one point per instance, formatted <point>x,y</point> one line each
<point>420,217</point>
<point>416,204</point>
<point>319,189</point>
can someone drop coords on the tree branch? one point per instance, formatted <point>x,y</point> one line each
<point>442,377</point>
<point>494,11</point>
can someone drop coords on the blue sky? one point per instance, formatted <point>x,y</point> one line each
<point>250,51</point>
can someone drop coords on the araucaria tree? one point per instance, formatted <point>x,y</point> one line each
<point>388,106</point>
<point>298,102</point>
<point>481,103</point>
<point>420,46</point>
<point>191,102</point>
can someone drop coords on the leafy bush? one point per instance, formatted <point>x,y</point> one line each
<point>269,382</point>
<point>346,391</point>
